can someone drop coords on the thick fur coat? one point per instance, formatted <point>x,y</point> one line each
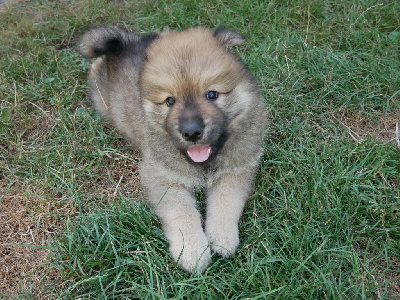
<point>195,112</point>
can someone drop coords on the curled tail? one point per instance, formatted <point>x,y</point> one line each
<point>104,41</point>
<point>111,41</point>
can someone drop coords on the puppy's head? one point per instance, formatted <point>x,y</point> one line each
<point>191,88</point>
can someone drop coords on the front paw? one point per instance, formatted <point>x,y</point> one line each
<point>224,237</point>
<point>191,252</point>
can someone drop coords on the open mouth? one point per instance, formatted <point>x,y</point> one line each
<point>199,153</point>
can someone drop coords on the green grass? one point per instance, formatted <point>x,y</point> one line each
<point>324,221</point>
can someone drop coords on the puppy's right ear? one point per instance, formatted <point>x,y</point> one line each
<point>103,41</point>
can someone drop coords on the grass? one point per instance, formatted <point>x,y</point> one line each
<point>324,221</point>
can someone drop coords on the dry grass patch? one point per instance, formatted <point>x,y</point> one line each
<point>28,221</point>
<point>382,126</point>
<point>119,176</point>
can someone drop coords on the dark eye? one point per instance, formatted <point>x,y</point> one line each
<point>212,95</point>
<point>170,101</point>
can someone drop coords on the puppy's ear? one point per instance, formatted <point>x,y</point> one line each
<point>104,41</point>
<point>229,37</point>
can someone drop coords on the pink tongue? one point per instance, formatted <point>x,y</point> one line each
<point>199,153</point>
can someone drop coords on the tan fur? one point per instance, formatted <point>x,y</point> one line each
<point>209,67</point>
<point>130,81</point>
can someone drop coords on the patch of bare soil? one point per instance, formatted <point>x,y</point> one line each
<point>383,127</point>
<point>119,176</point>
<point>27,222</point>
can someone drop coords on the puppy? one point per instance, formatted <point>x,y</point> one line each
<point>196,114</point>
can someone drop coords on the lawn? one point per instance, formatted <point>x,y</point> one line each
<point>324,219</point>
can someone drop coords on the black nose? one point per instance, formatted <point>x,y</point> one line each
<point>192,131</point>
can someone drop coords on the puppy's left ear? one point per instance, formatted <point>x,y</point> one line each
<point>228,37</point>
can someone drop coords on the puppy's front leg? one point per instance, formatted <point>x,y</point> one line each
<point>176,208</point>
<point>225,202</point>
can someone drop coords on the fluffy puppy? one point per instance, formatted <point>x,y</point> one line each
<point>196,114</point>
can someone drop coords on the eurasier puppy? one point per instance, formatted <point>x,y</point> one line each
<point>196,114</point>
